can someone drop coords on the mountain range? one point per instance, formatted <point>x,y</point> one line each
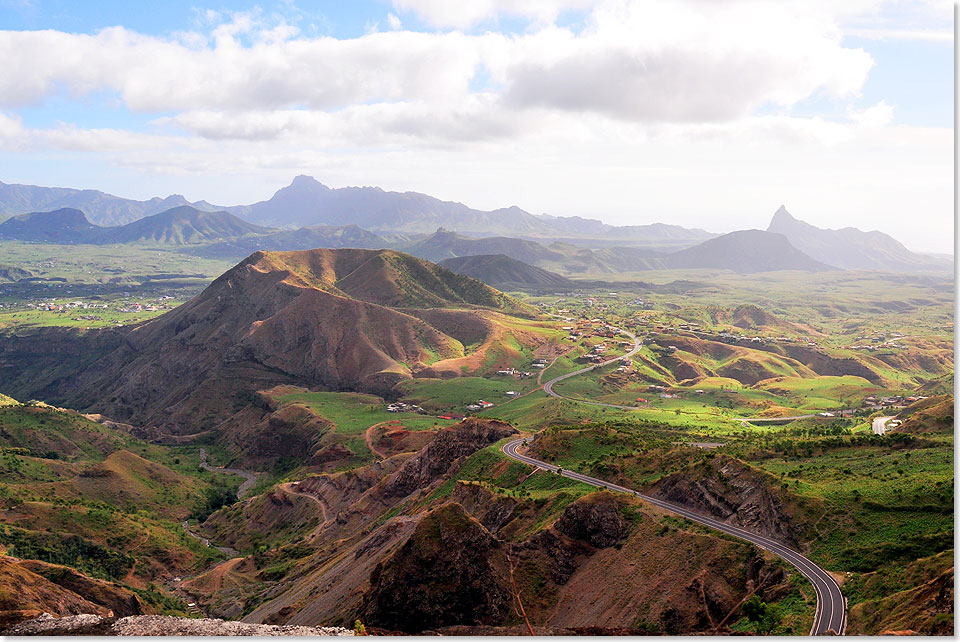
<point>435,230</point>
<point>100,207</point>
<point>177,226</point>
<point>307,202</point>
<point>849,248</point>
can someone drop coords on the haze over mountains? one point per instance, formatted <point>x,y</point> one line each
<point>501,271</point>
<point>849,248</point>
<point>426,227</point>
<point>180,225</point>
<point>101,208</point>
<point>307,202</point>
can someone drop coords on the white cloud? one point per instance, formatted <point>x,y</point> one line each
<point>394,22</point>
<point>931,35</point>
<point>153,74</point>
<point>644,61</point>
<point>875,116</point>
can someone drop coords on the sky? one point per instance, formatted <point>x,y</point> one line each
<point>701,113</point>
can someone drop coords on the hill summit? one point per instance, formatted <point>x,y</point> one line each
<point>343,319</point>
<point>499,270</point>
<point>65,225</point>
<point>746,251</point>
<point>183,225</point>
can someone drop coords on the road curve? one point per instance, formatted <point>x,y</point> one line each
<point>830,617</point>
<point>880,425</point>
<point>548,387</point>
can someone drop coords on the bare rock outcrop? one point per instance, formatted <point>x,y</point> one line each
<point>596,520</point>
<point>450,444</point>
<point>451,571</point>
<point>154,625</point>
<point>730,490</point>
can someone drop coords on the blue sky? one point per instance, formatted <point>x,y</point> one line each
<point>575,107</point>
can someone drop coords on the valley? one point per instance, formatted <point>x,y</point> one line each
<point>642,439</point>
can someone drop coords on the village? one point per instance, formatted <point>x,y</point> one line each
<point>97,310</point>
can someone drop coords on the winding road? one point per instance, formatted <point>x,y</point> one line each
<point>830,617</point>
<point>548,387</point>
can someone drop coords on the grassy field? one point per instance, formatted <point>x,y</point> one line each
<point>105,283</point>
<point>352,413</point>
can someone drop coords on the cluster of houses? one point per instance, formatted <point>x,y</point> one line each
<point>596,354</point>
<point>513,372</point>
<point>399,406</point>
<point>50,305</point>
<point>877,342</point>
<point>479,405</point>
<point>138,307</point>
<point>873,402</point>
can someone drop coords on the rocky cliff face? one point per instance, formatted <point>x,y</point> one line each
<point>451,571</point>
<point>438,456</point>
<point>598,522</point>
<point>731,491</point>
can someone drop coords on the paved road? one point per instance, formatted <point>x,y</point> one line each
<point>830,616</point>
<point>880,425</point>
<point>548,387</point>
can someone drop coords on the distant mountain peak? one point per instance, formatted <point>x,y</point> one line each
<point>781,216</point>
<point>850,248</point>
<point>303,179</point>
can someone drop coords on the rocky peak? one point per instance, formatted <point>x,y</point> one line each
<point>451,571</point>
<point>781,218</point>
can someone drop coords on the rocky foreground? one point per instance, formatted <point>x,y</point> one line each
<point>139,625</point>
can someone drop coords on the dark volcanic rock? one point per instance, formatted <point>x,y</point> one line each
<point>450,444</point>
<point>451,571</point>
<point>735,493</point>
<point>595,520</point>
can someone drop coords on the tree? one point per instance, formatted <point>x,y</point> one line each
<point>765,616</point>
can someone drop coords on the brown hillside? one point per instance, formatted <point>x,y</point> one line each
<point>29,588</point>
<point>934,414</point>
<point>925,609</point>
<point>335,319</point>
<point>406,548</point>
